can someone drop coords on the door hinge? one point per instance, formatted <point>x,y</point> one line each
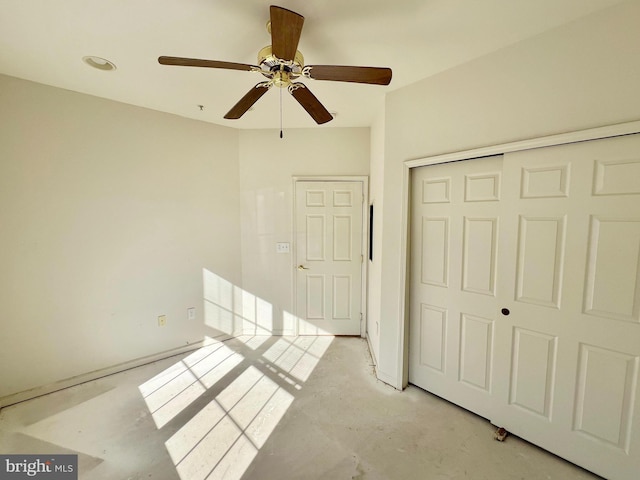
<point>361,258</point>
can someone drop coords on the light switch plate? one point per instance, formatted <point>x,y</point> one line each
<point>282,247</point>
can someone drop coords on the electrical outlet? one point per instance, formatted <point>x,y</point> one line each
<point>191,313</point>
<point>162,320</point>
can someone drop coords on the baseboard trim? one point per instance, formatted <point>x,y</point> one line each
<point>25,395</point>
<point>372,352</point>
<point>386,378</point>
<point>383,377</point>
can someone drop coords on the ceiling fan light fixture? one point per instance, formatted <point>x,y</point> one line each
<point>99,63</point>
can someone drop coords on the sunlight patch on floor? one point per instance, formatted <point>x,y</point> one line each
<point>171,391</point>
<point>223,438</point>
<point>253,342</point>
<point>299,357</point>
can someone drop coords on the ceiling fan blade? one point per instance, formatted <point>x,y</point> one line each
<point>286,27</point>
<point>248,100</point>
<point>310,103</point>
<point>338,73</point>
<point>194,62</point>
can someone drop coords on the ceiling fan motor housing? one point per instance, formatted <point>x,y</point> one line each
<point>282,71</point>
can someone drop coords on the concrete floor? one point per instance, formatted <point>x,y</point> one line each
<point>268,408</point>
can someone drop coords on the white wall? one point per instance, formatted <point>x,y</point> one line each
<point>582,75</point>
<point>376,190</point>
<point>108,216</point>
<point>267,167</point>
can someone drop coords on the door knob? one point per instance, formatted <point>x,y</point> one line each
<point>302,267</point>
<point>505,311</point>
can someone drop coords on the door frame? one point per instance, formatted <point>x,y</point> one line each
<point>364,180</point>
<point>402,373</point>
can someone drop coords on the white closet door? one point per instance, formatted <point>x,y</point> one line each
<point>525,296</point>
<point>568,353</point>
<point>453,305</point>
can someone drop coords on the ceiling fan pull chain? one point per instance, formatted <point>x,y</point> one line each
<point>280,113</point>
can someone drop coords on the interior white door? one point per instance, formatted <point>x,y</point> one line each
<point>454,234</point>
<point>552,353</point>
<point>329,257</point>
<point>567,355</point>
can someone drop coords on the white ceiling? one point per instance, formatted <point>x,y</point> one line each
<point>45,40</point>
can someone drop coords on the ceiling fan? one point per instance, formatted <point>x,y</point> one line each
<point>282,63</point>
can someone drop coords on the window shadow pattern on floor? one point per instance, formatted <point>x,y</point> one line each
<point>219,405</point>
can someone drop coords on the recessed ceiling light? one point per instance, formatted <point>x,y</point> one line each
<point>99,63</point>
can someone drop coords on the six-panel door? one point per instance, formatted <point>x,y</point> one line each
<point>454,252</point>
<point>527,310</point>
<point>329,225</point>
